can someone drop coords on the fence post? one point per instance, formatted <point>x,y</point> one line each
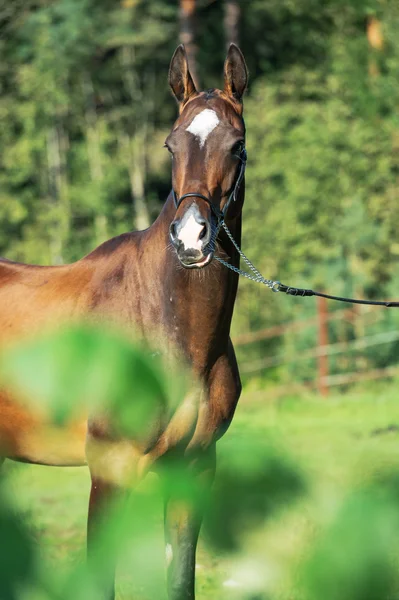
<point>322,341</point>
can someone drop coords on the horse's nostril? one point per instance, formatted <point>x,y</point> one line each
<point>203,232</point>
<point>173,231</point>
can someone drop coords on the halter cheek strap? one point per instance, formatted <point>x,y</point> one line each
<point>219,214</point>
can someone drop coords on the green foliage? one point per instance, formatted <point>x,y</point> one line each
<point>19,563</point>
<point>85,369</point>
<point>356,556</point>
<point>83,99</point>
<point>82,369</point>
<point>85,106</point>
<point>256,480</point>
<point>321,206</point>
<point>73,91</point>
<point>323,476</point>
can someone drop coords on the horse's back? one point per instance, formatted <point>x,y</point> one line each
<point>33,298</point>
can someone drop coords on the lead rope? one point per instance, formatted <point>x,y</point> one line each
<point>276,286</point>
<point>273,285</point>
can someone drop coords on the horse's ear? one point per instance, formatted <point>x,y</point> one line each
<point>235,73</point>
<point>180,80</point>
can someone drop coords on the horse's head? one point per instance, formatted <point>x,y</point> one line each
<point>207,144</point>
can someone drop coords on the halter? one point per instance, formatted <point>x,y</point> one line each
<point>219,214</point>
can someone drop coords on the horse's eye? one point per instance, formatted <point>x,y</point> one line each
<point>167,147</point>
<point>237,148</point>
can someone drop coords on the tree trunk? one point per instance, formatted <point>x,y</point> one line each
<point>136,146</point>
<point>132,150</point>
<point>93,138</point>
<point>376,42</point>
<point>188,33</point>
<point>57,144</point>
<point>137,186</point>
<point>231,22</point>
<point>65,202</point>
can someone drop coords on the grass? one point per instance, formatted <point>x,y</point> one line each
<point>338,443</point>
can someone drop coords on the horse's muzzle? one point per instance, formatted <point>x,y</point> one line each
<point>190,262</point>
<point>190,236</point>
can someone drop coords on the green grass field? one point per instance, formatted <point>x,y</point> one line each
<point>338,444</point>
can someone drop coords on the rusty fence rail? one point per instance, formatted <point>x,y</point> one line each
<point>323,349</point>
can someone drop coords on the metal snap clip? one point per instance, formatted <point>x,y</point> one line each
<point>276,286</point>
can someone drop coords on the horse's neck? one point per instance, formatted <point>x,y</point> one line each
<point>197,304</point>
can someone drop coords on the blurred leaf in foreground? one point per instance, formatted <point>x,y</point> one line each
<point>84,368</point>
<point>254,481</point>
<point>357,557</point>
<point>129,532</point>
<point>17,554</point>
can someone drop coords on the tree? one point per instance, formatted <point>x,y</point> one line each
<point>232,14</point>
<point>188,34</point>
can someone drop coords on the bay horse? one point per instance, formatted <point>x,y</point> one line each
<point>165,280</point>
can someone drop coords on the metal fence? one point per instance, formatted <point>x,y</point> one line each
<point>323,349</point>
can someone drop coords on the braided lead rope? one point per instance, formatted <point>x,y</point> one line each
<point>276,286</point>
<point>273,285</point>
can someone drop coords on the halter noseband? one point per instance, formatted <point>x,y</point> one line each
<point>219,214</point>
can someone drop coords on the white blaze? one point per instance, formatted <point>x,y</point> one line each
<point>203,124</point>
<point>189,234</point>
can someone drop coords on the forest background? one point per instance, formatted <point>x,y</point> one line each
<point>85,108</point>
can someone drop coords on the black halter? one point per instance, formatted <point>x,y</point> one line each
<point>219,214</point>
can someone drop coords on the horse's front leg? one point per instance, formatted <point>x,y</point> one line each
<point>103,494</point>
<point>113,468</point>
<point>185,502</point>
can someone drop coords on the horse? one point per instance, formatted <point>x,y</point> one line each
<point>164,279</point>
